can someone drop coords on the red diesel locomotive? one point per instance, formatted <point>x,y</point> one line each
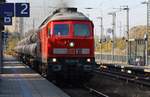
<point>62,47</point>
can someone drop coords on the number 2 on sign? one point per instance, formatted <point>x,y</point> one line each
<point>24,10</point>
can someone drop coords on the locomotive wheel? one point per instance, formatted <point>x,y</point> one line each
<point>43,69</point>
<point>40,68</point>
<point>34,65</point>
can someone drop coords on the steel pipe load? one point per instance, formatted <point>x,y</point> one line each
<point>24,41</point>
<point>31,49</point>
<point>27,49</point>
<point>31,38</point>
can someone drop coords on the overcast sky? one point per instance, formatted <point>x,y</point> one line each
<point>100,8</point>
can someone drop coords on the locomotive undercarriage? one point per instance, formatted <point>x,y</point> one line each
<point>64,69</point>
<point>70,69</point>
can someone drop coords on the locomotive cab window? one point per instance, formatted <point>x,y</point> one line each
<point>61,29</point>
<point>81,30</point>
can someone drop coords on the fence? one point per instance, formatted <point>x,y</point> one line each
<point>107,58</point>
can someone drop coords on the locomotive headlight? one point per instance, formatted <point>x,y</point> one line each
<point>71,44</point>
<point>129,71</point>
<point>54,59</point>
<point>88,60</point>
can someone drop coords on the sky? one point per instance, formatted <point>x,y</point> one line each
<point>40,9</point>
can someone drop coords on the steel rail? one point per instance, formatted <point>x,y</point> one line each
<point>95,92</point>
<point>137,80</point>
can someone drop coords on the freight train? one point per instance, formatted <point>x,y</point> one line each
<point>62,47</point>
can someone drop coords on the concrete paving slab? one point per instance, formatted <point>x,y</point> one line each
<point>19,80</point>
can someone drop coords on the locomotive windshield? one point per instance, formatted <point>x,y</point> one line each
<point>61,29</point>
<point>81,30</point>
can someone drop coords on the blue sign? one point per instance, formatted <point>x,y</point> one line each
<point>7,20</point>
<point>7,9</point>
<point>1,9</point>
<point>5,34</point>
<point>22,9</point>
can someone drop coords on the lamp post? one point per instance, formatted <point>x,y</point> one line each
<point>127,31</point>
<point>100,39</point>
<point>113,32</point>
<point>146,40</point>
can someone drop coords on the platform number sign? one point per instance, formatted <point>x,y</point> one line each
<point>9,10</point>
<point>22,9</point>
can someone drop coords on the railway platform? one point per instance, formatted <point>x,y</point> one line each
<point>119,62</point>
<point>18,80</point>
<point>131,69</point>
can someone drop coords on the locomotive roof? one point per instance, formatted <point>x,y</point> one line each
<point>65,14</point>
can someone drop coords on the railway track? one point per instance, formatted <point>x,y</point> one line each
<point>95,92</point>
<point>127,77</point>
<point>84,91</point>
